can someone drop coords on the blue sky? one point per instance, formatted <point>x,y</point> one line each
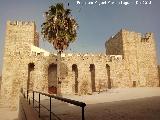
<point>96,22</point>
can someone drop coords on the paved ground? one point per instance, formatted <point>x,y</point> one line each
<point>115,104</point>
<point>6,114</point>
<point>139,109</point>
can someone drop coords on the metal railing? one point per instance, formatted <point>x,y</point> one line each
<point>74,102</point>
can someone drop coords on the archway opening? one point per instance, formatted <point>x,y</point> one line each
<point>92,70</point>
<point>134,83</point>
<point>75,74</point>
<point>52,79</point>
<point>30,82</point>
<point>109,84</point>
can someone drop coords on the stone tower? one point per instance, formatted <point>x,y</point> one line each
<point>19,36</point>
<point>139,52</point>
<point>130,61</point>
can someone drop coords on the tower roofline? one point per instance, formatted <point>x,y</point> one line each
<point>21,23</point>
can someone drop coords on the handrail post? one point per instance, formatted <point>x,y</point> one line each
<point>83,113</point>
<point>24,95</point>
<point>39,105</point>
<point>77,103</point>
<point>33,99</point>
<point>29,101</point>
<point>27,94</point>
<point>50,109</point>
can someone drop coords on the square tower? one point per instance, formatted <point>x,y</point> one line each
<point>19,37</point>
<point>139,54</point>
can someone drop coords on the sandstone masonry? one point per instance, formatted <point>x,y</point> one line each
<point>130,61</point>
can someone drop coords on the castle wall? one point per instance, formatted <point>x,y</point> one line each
<point>139,53</point>
<point>114,45</point>
<point>85,83</point>
<point>36,39</point>
<point>19,36</point>
<point>83,63</point>
<point>130,61</point>
<point>159,74</point>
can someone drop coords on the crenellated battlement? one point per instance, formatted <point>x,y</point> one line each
<point>146,37</point>
<point>21,23</point>
<point>77,56</point>
<point>87,56</point>
<point>115,57</point>
<point>82,54</point>
<point>143,37</point>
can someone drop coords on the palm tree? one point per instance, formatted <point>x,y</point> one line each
<point>59,29</point>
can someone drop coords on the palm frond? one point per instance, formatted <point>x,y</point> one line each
<point>59,28</point>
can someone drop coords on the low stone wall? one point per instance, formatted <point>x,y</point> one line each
<point>26,112</point>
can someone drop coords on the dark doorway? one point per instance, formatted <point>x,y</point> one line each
<point>159,75</point>
<point>75,73</point>
<point>108,75</point>
<point>92,70</point>
<point>30,81</point>
<point>134,83</point>
<point>52,79</point>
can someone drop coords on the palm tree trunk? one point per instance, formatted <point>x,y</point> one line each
<point>59,73</point>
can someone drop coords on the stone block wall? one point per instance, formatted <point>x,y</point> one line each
<point>130,61</point>
<point>159,74</point>
<point>114,45</point>
<point>19,36</point>
<point>0,82</point>
<point>139,53</point>
<point>87,80</point>
<point>84,78</point>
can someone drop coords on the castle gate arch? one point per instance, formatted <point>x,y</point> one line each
<point>52,78</point>
<point>75,76</point>
<point>30,81</point>
<point>92,70</point>
<point>109,83</point>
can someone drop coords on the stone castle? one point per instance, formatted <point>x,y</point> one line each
<point>130,61</point>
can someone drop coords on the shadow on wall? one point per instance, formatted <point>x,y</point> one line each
<point>75,72</point>
<point>30,81</point>
<point>92,70</point>
<point>109,79</point>
<point>52,78</point>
